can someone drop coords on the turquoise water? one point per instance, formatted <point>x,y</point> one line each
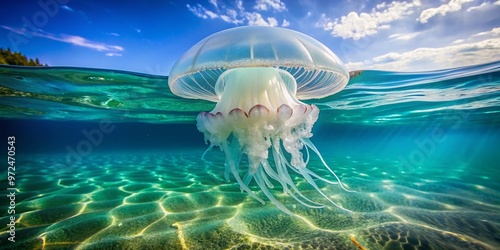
<point>419,149</point>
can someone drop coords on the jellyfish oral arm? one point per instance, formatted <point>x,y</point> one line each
<point>258,114</point>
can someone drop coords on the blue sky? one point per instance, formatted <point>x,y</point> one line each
<point>148,36</point>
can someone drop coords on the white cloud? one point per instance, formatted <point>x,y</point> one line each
<point>211,14</point>
<point>255,18</point>
<point>495,32</point>
<point>272,21</point>
<point>482,6</point>
<point>451,6</point>
<point>198,10</point>
<point>356,66</point>
<point>238,15</point>
<point>232,16</point>
<point>356,26</point>
<point>213,2</point>
<point>75,40</point>
<point>458,41</point>
<point>408,36</point>
<point>389,57</point>
<point>239,5</point>
<point>66,7</point>
<point>276,5</point>
<point>285,23</point>
<point>461,52</point>
<point>113,54</point>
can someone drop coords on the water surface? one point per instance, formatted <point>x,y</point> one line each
<point>419,149</point>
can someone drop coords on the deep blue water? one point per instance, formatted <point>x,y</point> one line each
<point>420,149</point>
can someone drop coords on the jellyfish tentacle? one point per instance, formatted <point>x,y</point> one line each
<point>232,166</point>
<point>206,151</point>
<point>288,181</point>
<point>282,175</point>
<point>286,177</point>
<point>227,170</point>
<point>271,173</point>
<point>320,178</point>
<point>308,143</point>
<point>307,156</point>
<point>266,180</point>
<point>305,204</point>
<point>259,175</point>
<point>236,153</point>
<point>247,178</point>
<point>312,174</point>
<point>311,181</point>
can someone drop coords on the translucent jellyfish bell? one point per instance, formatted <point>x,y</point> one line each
<point>257,76</point>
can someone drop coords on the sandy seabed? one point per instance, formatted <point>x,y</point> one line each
<point>177,201</point>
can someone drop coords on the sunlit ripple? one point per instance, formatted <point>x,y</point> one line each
<point>118,201</point>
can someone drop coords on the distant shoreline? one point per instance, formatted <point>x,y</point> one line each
<point>8,57</point>
<point>355,73</point>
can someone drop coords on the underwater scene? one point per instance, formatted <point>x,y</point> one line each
<point>105,159</point>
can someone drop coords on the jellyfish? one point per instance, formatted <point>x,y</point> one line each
<point>257,76</point>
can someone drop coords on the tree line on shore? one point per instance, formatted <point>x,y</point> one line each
<point>16,58</point>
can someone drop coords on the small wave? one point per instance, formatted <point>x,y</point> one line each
<point>380,97</point>
<point>371,97</point>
